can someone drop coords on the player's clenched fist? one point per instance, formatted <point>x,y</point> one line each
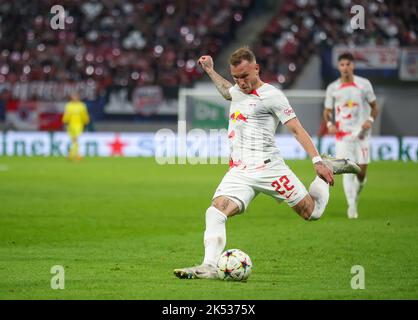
<point>206,62</point>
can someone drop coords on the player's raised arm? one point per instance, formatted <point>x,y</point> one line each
<point>305,140</point>
<point>223,85</point>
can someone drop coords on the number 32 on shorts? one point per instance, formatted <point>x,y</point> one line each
<point>282,185</point>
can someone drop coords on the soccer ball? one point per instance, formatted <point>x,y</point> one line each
<point>234,264</point>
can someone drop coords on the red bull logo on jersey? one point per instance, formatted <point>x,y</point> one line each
<point>237,116</point>
<point>350,104</point>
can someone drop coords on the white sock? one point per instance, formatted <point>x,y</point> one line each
<point>350,188</point>
<point>319,191</point>
<point>215,235</point>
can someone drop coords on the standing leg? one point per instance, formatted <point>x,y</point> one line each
<point>215,232</point>
<point>346,149</point>
<point>73,149</point>
<point>75,146</point>
<point>362,156</point>
<point>232,196</point>
<point>359,181</point>
<point>214,239</point>
<point>350,190</point>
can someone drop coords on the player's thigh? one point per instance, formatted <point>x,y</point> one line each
<point>363,171</point>
<point>345,149</point>
<point>236,187</point>
<point>362,149</point>
<point>226,205</point>
<point>74,132</point>
<point>280,182</point>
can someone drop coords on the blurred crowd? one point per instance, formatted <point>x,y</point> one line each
<point>158,41</point>
<point>302,27</point>
<point>115,42</point>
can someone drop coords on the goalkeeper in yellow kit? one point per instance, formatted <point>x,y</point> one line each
<point>75,117</point>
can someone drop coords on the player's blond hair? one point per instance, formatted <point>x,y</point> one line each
<point>243,53</point>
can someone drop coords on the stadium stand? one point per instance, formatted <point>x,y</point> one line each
<point>302,27</point>
<point>135,44</point>
<point>115,42</point>
<point>158,42</point>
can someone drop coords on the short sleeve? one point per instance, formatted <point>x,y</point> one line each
<point>369,93</point>
<point>329,100</point>
<point>277,103</point>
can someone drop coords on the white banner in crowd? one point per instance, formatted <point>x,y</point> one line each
<point>369,57</point>
<point>165,144</point>
<point>408,69</point>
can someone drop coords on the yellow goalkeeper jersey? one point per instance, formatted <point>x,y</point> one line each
<point>76,114</point>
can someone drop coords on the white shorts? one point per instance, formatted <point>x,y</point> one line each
<point>274,179</point>
<point>357,151</point>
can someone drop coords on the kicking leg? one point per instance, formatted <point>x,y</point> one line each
<point>312,206</point>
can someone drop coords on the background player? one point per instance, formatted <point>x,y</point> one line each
<point>76,117</point>
<point>355,106</point>
<point>256,165</point>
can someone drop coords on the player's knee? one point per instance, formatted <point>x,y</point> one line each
<point>225,205</point>
<point>305,208</point>
<point>306,214</point>
<point>361,176</point>
<point>317,212</point>
<point>312,211</point>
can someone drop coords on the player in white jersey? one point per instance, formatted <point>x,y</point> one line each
<point>354,102</point>
<point>256,165</point>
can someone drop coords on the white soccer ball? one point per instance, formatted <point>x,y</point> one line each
<point>234,264</point>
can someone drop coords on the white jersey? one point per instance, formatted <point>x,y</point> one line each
<point>253,120</point>
<point>351,104</point>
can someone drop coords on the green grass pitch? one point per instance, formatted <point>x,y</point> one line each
<point>119,226</point>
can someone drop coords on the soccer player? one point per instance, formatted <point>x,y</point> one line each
<point>355,106</point>
<point>76,117</point>
<point>255,162</point>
